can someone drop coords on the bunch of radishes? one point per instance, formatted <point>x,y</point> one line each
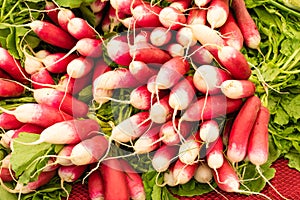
<point>187,77</point>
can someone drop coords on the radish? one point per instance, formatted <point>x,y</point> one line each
<point>51,165</point>
<point>203,173</point>
<point>12,66</point>
<point>42,79</point>
<point>89,47</point>
<point>9,121</point>
<point>71,173</point>
<point>37,113</point>
<point>163,157</point>
<point>160,36</point>
<point>95,186</point>
<point>246,24</point>
<point>182,94</point>
<point>217,13</point>
<point>6,175</point>
<point>171,72</point>
<point>181,5</point>
<point>71,85</point>
<point>160,111</point>
<point>151,85</point>
<point>241,129</point>
<point>171,18</point>
<point>63,17</point>
<point>226,129</point>
<point>63,154</point>
<point>211,107</point>
<point>175,50</point>
<point>62,101</point>
<point>200,55</point>
<point>185,37</point>
<point>141,71</point>
<point>131,128</point>
<point>125,6</point>
<point>4,75</point>
<point>58,62</point>
<point>189,150</point>
<point>98,5</point>
<point>114,177</point>
<point>49,33</point>
<point>6,138</point>
<point>118,50</point>
<point>168,177</point>
<point>141,98</point>
<point>89,150</point>
<point>232,34</point>
<point>80,67</point>
<point>142,36</point>
<point>28,128</point>
<point>182,172</point>
<point>146,15</point>
<point>32,64</point>
<point>236,89</point>
<point>201,3</point>
<point>209,131</point>
<point>51,11</point>
<point>102,96</point>
<point>148,141</point>
<point>196,16</point>
<point>80,28</point>
<point>235,62</point>
<point>215,157</point>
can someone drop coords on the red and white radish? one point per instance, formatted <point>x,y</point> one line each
<point>63,17</point>
<point>215,157</point>
<point>171,18</point>
<point>236,89</point>
<point>58,62</point>
<point>95,186</point>
<point>217,13</point>
<point>209,131</point>
<point>80,28</point>
<point>163,157</point>
<point>148,141</point>
<point>203,173</point>
<point>160,36</point>
<point>182,172</point>
<point>80,67</point>
<point>71,173</point>
<point>190,148</point>
<point>141,71</point>
<point>160,111</point>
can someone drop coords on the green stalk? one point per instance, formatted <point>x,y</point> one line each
<point>286,65</point>
<point>284,8</point>
<point>2,9</point>
<point>11,10</point>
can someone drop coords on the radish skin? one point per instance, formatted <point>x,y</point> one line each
<point>141,71</point>
<point>58,62</point>
<point>63,18</point>
<point>185,37</point>
<point>80,67</point>
<point>71,173</point>
<point>200,55</point>
<point>217,13</point>
<point>175,50</point>
<point>203,173</point>
<point>65,152</point>
<point>9,88</point>
<point>171,18</point>
<point>160,36</point>
<point>182,172</point>
<point>146,15</point>
<point>163,157</point>
<point>80,28</point>
<point>118,50</point>
<point>9,121</point>
<point>160,111</point>
<point>209,131</point>
<point>236,89</point>
<point>42,79</point>
<point>196,16</point>
<point>89,47</point>
<point>148,141</point>
<point>95,186</point>
<point>190,148</point>
<point>215,157</point>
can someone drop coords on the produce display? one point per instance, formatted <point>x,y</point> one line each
<point>140,99</point>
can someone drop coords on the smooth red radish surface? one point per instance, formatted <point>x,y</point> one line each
<point>98,5</point>
<point>258,145</point>
<point>146,15</point>
<point>148,141</point>
<point>211,107</point>
<point>134,181</point>
<point>12,66</point>
<point>171,72</point>
<point>217,13</point>
<point>190,148</point>
<point>5,75</point>
<point>246,24</point>
<point>196,16</point>
<point>140,98</point>
<point>95,186</point>
<point>200,55</point>
<point>32,64</point>
<point>203,173</point>
<point>73,86</point>
<point>182,94</point>
<point>131,128</point>
<point>185,37</point>
<point>37,113</point>
<point>241,129</point>
<point>114,178</point>
<point>169,136</point>
<point>63,17</point>
<point>71,173</point>
<point>231,33</point>
<point>100,67</point>
<point>201,3</point>
<point>215,157</point>
<point>118,50</point>
<point>62,101</point>
<point>141,71</point>
<point>80,28</point>
<point>163,157</point>
<point>160,111</point>
<point>6,175</point>
<point>235,62</point>
<point>42,79</point>
<point>49,33</point>
<point>80,67</point>
<point>63,154</point>
<point>175,49</point>
<point>181,5</point>
<point>69,131</point>
<point>171,18</point>
<point>58,62</point>
<point>43,179</point>
<point>118,78</point>
<point>182,172</point>
<point>28,128</point>
<point>89,150</point>
<point>236,89</point>
<point>226,178</point>
<point>147,53</point>
<point>89,47</point>
<point>52,11</point>
<point>209,131</point>
<point>9,121</point>
<point>160,36</point>
<point>124,6</point>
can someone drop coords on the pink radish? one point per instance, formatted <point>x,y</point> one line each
<point>140,98</point>
<point>181,5</point>
<point>160,36</point>
<point>63,17</point>
<point>201,3</point>
<point>52,11</point>
<point>168,177</point>
<point>80,28</point>
<point>141,71</point>
<point>32,64</point>
<point>12,66</point>
<point>182,172</point>
<point>37,113</point>
<point>10,88</point>
<point>95,186</point>
<point>28,128</point>
<point>151,84</point>
<point>148,141</point>
<point>49,33</point>
<point>163,157</point>
<point>58,62</point>
<point>246,24</point>
<point>89,47</point>
<point>236,89</point>
<point>62,101</point>
<point>63,154</point>
<point>241,129</point>
<point>131,128</point>
<point>200,55</point>
<point>203,173</point>
<point>196,16</point>
<point>42,79</point>
<point>80,67</point>
<point>118,50</point>
<point>175,50</point>
<point>9,121</point>
<point>235,62</point>
<point>71,173</point>
<point>211,107</point>
<point>232,34</point>
<point>124,6</point>
<point>146,15</point>
<point>215,157</point>
<point>4,75</point>
<point>209,131</point>
<point>171,18</point>
<point>190,148</point>
<point>217,13</point>
<point>171,72</point>
<point>6,175</point>
<point>51,165</point>
<point>160,111</point>
<point>185,37</point>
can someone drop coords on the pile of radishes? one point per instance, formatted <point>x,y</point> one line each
<point>188,78</point>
